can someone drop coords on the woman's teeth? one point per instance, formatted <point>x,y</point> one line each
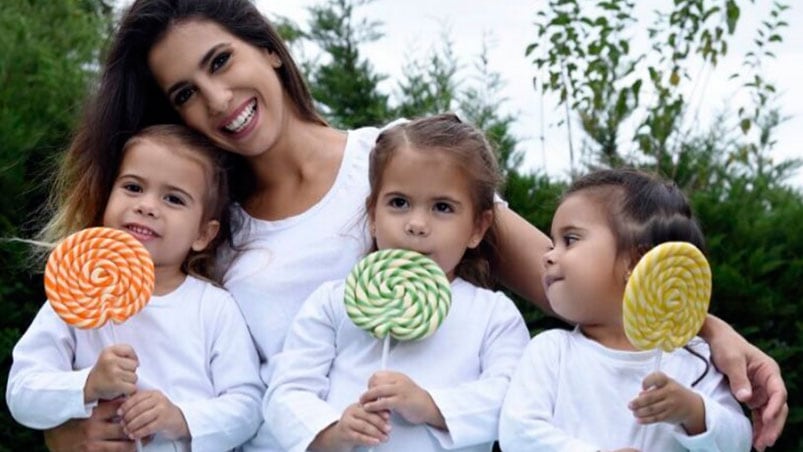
<point>239,123</point>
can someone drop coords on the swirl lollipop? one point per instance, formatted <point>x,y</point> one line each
<point>666,298</point>
<point>397,293</point>
<point>98,274</point>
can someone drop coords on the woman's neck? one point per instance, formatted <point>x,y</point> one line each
<point>297,171</point>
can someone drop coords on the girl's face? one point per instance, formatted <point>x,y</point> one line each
<point>158,197</point>
<point>424,204</point>
<point>584,279</point>
<point>222,86</point>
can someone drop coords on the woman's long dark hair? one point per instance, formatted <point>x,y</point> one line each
<point>128,99</point>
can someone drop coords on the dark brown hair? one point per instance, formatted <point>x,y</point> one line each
<point>469,150</point>
<point>643,210</point>
<point>128,99</point>
<point>179,139</point>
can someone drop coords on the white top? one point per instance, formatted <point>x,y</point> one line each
<point>570,393</point>
<point>192,345</point>
<point>465,366</point>
<point>285,260</point>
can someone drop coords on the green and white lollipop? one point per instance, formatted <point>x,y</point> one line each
<point>397,293</point>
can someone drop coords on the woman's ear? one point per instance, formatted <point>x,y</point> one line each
<point>481,227</point>
<point>273,59</point>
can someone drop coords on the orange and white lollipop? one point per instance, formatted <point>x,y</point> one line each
<point>666,298</point>
<point>98,274</point>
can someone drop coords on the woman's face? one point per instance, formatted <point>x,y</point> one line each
<point>222,86</point>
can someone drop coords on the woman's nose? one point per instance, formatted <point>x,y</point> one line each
<point>218,98</point>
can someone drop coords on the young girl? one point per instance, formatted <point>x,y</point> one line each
<point>186,361</point>
<point>588,389</point>
<point>432,191</point>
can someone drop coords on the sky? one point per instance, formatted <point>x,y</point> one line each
<point>414,27</point>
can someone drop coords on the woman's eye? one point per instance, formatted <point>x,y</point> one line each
<point>219,61</point>
<point>132,187</point>
<point>398,203</point>
<point>182,96</point>
<point>443,207</point>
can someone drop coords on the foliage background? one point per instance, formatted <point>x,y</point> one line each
<point>48,58</point>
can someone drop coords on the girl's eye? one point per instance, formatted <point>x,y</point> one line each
<point>132,187</point>
<point>443,207</point>
<point>569,239</point>
<point>397,203</point>
<point>182,96</point>
<point>173,199</point>
<point>219,61</point>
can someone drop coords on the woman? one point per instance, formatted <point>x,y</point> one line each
<point>219,67</point>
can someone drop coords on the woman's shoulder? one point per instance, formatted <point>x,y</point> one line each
<point>365,137</point>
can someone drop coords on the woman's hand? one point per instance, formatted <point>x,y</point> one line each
<point>101,432</point>
<point>755,379</point>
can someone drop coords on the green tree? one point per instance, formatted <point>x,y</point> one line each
<point>345,85</point>
<point>584,56</point>
<point>737,189</point>
<point>429,86</point>
<point>48,53</point>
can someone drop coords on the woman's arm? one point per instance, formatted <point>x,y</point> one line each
<point>755,379</point>
<point>519,261</point>
<point>100,432</point>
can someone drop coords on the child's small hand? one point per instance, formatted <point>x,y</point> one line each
<point>396,391</point>
<point>664,400</point>
<point>113,375</point>
<point>356,427</point>
<point>148,412</point>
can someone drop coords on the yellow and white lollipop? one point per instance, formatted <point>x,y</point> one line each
<point>666,298</point>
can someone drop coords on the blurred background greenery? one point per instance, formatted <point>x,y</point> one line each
<point>49,53</point>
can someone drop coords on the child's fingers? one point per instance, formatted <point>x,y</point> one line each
<point>143,425</point>
<point>376,392</point>
<point>137,404</point>
<point>654,380</point>
<point>382,377</point>
<point>363,428</point>
<point>368,429</point>
<point>652,413</point>
<point>378,421</point>
<point>382,404</point>
<point>124,351</point>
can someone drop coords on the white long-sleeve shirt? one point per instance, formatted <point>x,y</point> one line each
<point>570,393</point>
<point>285,260</point>
<point>465,366</point>
<point>192,345</point>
